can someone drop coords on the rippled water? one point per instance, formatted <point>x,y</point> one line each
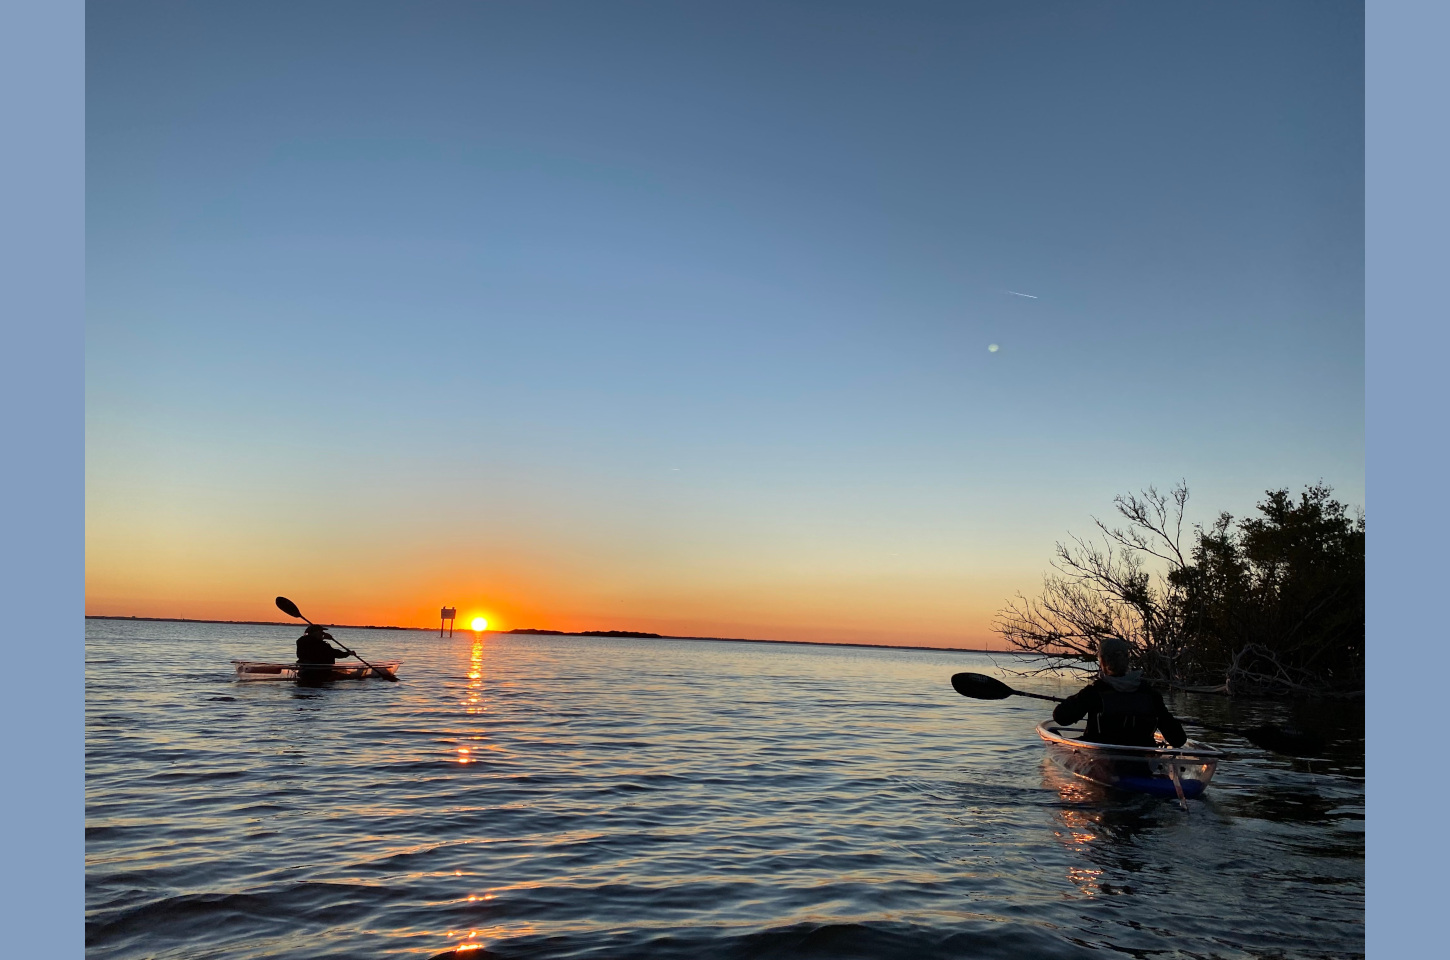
<point>604,798</point>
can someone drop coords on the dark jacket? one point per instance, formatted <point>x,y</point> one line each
<point>1127,718</point>
<point>314,649</point>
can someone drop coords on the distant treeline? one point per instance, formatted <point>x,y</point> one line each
<point>1268,605</point>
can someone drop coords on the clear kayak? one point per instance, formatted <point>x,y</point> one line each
<point>1163,771</point>
<point>254,670</point>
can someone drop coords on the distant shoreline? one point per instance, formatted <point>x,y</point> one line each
<point>526,632</point>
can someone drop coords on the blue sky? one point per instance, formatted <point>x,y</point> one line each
<point>655,315</point>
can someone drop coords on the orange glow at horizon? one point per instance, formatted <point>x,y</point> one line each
<point>761,620</point>
<point>559,593</point>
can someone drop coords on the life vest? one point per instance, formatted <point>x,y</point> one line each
<point>1124,718</point>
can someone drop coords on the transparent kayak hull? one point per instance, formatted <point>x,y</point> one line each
<point>1160,771</point>
<point>255,670</point>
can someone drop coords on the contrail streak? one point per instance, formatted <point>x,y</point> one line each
<point>1027,295</point>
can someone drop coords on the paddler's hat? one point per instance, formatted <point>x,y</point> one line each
<point>1113,652</point>
<point>314,628</point>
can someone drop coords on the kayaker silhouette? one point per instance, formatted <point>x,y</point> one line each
<point>1120,706</point>
<point>313,650</point>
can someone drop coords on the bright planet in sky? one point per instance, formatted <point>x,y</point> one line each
<point>479,623</point>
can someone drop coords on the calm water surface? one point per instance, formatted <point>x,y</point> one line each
<point>599,798</point>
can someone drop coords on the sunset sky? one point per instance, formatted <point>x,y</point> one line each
<point>680,318</point>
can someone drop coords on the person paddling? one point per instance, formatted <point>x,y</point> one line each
<point>1120,705</point>
<point>314,650</point>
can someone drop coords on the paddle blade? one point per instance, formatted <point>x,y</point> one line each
<point>1291,743</point>
<point>979,686</point>
<point>289,608</point>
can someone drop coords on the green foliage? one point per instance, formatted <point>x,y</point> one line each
<point>1276,601</point>
<point>1273,603</point>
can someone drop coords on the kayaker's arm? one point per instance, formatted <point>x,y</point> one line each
<point>331,643</point>
<point>1075,707</point>
<point>1167,723</point>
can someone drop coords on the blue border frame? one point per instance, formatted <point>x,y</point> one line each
<point>42,282</point>
<point>1406,350</point>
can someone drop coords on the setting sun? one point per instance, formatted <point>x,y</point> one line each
<point>479,623</point>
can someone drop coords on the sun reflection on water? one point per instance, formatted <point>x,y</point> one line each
<point>1104,829</point>
<point>479,938</point>
<point>1081,822</point>
<point>473,700</point>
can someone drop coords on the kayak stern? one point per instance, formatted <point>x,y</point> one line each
<point>1161,771</point>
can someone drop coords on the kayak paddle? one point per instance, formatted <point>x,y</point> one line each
<point>1292,743</point>
<point>290,608</point>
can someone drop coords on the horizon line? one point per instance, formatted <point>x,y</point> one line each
<point>560,633</point>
